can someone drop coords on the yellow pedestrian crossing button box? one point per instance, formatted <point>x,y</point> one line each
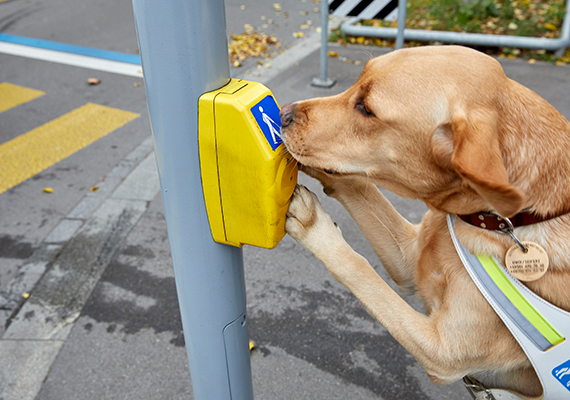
<point>248,176</point>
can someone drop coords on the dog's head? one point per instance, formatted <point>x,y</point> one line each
<point>424,123</point>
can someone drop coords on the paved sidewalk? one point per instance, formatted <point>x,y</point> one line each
<point>102,318</point>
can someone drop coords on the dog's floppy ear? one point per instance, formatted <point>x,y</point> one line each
<point>477,159</point>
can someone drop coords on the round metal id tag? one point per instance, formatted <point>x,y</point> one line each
<point>527,266</point>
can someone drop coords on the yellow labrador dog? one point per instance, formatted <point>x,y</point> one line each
<point>446,126</point>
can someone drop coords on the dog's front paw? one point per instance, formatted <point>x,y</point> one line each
<point>309,224</point>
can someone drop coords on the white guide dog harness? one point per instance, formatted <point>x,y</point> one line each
<point>542,329</point>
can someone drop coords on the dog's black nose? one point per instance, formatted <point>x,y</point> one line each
<point>287,114</point>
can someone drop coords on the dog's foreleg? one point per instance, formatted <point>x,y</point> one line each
<point>313,228</point>
<point>392,237</point>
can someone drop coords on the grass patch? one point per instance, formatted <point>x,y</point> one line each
<point>534,18</point>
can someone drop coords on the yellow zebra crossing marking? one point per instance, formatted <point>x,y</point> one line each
<point>13,95</point>
<point>30,153</point>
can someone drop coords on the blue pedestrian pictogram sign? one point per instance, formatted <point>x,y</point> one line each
<point>266,113</point>
<point>562,373</point>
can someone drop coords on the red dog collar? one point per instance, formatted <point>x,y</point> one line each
<point>494,222</point>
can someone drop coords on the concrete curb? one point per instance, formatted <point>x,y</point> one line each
<point>64,271</point>
<point>289,58</point>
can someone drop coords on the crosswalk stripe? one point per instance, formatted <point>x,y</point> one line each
<point>76,60</point>
<point>13,95</point>
<point>30,153</point>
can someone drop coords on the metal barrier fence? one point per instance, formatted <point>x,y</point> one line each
<point>558,45</point>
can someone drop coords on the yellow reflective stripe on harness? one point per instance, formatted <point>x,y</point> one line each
<point>525,314</point>
<point>519,301</point>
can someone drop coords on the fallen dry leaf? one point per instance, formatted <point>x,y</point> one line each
<point>550,26</point>
<point>93,81</point>
<point>251,44</point>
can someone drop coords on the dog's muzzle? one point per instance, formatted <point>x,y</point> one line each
<point>287,115</point>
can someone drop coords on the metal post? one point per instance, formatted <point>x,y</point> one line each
<point>323,81</point>
<point>184,54</point>
<point>402,8</point>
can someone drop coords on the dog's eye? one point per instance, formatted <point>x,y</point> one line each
<point>360,106</point>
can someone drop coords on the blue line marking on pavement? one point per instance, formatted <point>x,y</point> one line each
<point>70,48</point>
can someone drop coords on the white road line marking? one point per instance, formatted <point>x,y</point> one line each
<point>75,60</point>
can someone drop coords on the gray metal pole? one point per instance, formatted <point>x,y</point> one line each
<point>324,39</point>
<point>184,54</point>
<point>402,8</point>
<point>323,81</point>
